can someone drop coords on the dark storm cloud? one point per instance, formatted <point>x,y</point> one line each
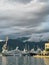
<point>17,18</point>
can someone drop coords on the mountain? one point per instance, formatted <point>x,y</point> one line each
<point>13,43</point>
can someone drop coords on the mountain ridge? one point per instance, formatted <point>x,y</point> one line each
<point>13,43</point>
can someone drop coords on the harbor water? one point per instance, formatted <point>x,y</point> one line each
<point>23,60</point>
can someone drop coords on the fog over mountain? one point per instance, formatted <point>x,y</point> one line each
<point>22,18</point>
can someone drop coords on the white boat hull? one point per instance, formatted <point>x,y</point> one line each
<point>10,54</point>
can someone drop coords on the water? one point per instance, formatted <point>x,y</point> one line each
<point>23,60</point>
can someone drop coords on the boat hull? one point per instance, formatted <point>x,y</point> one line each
<point>32,54</point>
<point>7,54</point>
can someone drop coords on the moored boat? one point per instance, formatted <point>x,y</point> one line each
<point>25,52</point>
<point>32,52</point>
<point>6,52</point>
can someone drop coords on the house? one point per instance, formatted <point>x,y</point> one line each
<point>46,51</point>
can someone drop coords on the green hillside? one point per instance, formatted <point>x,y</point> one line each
<point>13,43</point>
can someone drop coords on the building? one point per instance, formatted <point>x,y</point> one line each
<point>47,46</point>
<point>46,51</point>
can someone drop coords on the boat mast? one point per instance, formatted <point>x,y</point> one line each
<point>6,40</point>
<point>5,45</point>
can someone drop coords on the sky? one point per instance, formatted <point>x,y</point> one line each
<point>24,18</point>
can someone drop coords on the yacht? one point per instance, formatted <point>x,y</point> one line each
<point>24,52</point>
<point>39,51</point>
<point>32,52</point>
<point>6,52</point>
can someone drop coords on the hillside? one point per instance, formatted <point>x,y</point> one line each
<point>13,43</point>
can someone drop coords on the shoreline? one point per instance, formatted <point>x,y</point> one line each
<point>40,56</point>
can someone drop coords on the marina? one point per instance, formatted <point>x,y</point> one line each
<point>40,56</point>
<point>32,52</point>
<point>24,32</point>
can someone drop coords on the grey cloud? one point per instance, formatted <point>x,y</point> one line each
<point>23,19</point>
<point>43,0</point>
<point>35,37</point>
<point>21,1</point>
<point>26,1</point>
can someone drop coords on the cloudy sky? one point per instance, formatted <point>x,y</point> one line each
<point>19,18</point>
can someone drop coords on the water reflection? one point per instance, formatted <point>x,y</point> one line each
<point>4,61</point>
<point>0,60</point>
<point>27,60</point>
<point>16,60</point>
<point>23,60</point>
<point>46,60</point>
<point>8,60</point>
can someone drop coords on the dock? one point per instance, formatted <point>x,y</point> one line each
<point>41,56</point>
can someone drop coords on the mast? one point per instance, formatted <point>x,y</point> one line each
<point>5,45</point>
<point>6,40</point>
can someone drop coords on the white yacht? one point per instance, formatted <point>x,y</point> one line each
<point>39,51</point>
<point>32,52</point>
<point>24,52</point>
<point>5,51</point>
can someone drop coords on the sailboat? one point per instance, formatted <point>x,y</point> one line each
<point>25,51</point>
<point>32,52</point>
<point>5,51</point>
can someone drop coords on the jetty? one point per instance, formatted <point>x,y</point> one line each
<point>44,53</point>
<point>40,56</point>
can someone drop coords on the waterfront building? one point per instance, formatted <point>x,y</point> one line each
<point>47,46</point>
<point>46,51</point>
